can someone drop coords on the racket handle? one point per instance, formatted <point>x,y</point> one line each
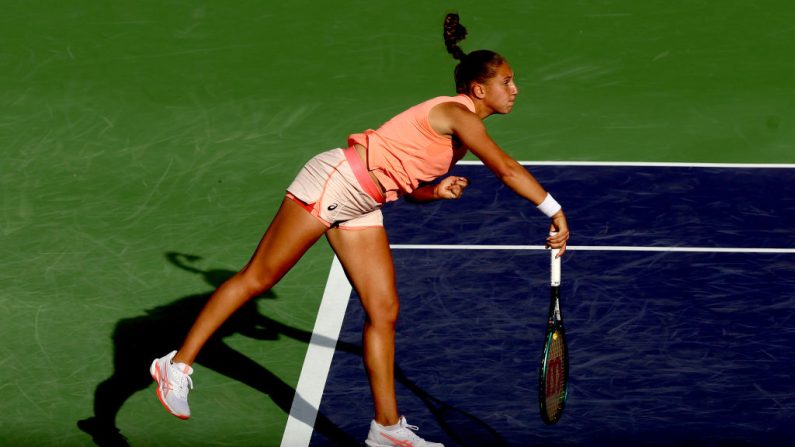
<point>554,270</point>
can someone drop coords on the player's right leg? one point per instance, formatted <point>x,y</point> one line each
<point>289,236</point>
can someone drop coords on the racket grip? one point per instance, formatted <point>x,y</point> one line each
<point>554,270</point>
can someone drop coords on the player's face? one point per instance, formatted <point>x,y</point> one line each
<point>501,90</point>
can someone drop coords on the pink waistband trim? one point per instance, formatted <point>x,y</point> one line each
<point>360,171</point>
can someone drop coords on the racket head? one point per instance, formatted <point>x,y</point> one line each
<point>553,377</point>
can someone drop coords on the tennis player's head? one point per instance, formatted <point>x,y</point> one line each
<point>482,74</point>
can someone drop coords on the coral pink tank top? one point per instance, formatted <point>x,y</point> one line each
<point>406,151</point>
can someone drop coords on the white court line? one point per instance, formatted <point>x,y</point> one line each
<point>644,164</point>
<point>596,248</point>
<point>317,363</point>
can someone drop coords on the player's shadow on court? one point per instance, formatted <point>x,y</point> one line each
<point>466,429</point>
<point>138,340</point>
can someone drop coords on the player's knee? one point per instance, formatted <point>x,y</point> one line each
<point>384,314</point>
<point>256,283</point>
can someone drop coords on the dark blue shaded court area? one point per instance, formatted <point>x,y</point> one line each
<point>666,348</point>
<point>614,205</point>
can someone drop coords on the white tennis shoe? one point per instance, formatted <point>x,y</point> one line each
<point>402,436</point>
<point>173,384</point>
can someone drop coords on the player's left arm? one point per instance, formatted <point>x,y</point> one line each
<point>451,187</point>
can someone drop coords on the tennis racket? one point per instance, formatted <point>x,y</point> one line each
<point>553,377</point>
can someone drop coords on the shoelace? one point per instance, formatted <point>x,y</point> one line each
<point>179,386</point>
<point>413,428</point>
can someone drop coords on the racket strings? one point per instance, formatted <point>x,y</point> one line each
<point>555,386</point>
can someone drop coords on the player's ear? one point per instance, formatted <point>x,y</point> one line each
<point>478,89</point>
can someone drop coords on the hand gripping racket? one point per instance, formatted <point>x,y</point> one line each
<point>553,377</point>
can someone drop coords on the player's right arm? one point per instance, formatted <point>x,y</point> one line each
<point>455,119</point>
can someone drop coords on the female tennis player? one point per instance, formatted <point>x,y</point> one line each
<point>339,194</point>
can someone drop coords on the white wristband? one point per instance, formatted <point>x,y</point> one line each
<point>549,206</point>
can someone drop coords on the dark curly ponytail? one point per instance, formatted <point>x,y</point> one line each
<point>477,66</point>
<point>454,32</point>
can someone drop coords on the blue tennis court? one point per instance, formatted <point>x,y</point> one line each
<point>679,301</point>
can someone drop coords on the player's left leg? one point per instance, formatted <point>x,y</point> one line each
<point>367,259</point>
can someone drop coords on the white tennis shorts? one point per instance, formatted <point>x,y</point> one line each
<point>334,186</point>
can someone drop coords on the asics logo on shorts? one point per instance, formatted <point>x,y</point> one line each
<point>332,207</point>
